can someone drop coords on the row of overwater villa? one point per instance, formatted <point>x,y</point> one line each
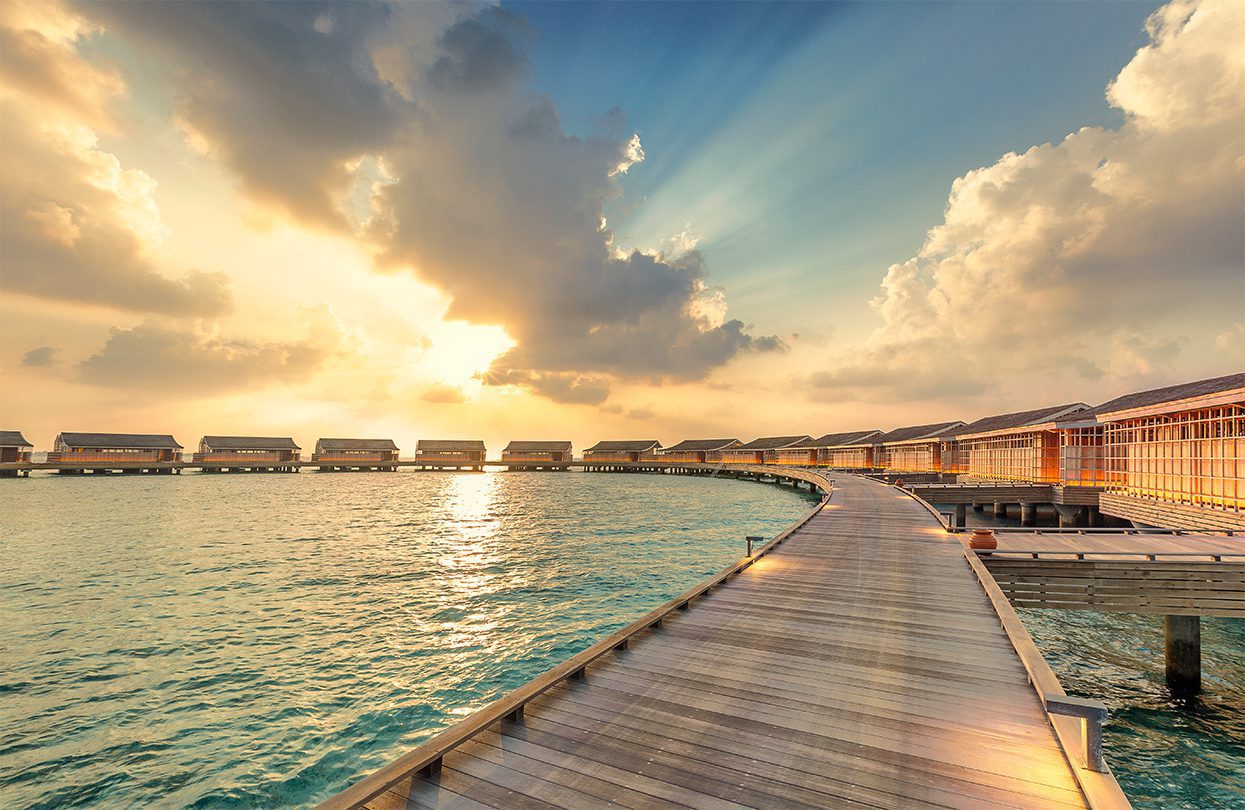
<point>1182,446</point>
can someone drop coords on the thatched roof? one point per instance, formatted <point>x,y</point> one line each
<point>917,433</point>
<point>627,446</point>
<point>538,447</point>
<point>13,438</point>
<point>1172,393</point>
<point>121,441</point>
<point>249,443</point>
<point>842,439</point>
<point>1020,419</point>
<point>702,445</point>
<point>772,443</point>
<point>450,445</point>
<point>358,444</point>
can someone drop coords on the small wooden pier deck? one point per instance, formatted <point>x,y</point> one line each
<point>864,662</point>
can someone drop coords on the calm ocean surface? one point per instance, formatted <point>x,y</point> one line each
<point>262,640</point>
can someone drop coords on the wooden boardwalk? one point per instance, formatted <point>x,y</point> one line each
<point>861,663</point>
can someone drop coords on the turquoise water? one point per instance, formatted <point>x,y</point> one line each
<point>264,640</point>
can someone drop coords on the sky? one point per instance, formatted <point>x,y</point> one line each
<point>620,220</point>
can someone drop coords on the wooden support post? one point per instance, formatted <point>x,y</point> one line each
<point>1000,510</point>
<point>431,769</point>
<point>516,716</point>
<point>979,507</point>
<point>1095,517</point>
<point>961,515</point>
<point>1028,514</point>
<point>1184,654</point>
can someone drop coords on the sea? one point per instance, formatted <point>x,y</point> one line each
<point>221,641</point>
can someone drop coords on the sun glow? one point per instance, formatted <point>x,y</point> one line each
<point>459,352</point>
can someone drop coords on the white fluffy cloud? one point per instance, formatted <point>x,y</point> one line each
<point>1079,256</point>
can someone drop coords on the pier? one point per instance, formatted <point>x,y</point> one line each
<point>865,656</point>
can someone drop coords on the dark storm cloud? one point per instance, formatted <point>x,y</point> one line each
<point>480,53</point>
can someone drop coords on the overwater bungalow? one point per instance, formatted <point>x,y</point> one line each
<point>917,448</point>
<point>852,450</point>
<point>355,454</point>
<point>699,451</point>
<point>1021,446</point>
<point>801,454</point>
<point>1175,456</point>
<point>14,449</point>
<point>540,454</point>
<point>256,453</point>
<point>103,450</point>
<point>761,451</point>
<point>624,451</point>
<point>440,454</point>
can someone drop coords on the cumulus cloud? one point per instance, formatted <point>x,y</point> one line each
<point>1076,255</point>
<point>75,225</point>
<point>39,357</point>
<point>162,357</point>
<point>473,184</point>
<point>443,395</point>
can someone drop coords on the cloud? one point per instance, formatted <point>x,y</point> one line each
<point>74,224</point>
<point>157,357</point>
<point>285,94</point>
<point>39,357</point>
<point>422,122</point>
<point>443,395</point>
<point>1079,256</point>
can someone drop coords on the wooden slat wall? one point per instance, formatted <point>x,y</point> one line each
<point>1128,586</point>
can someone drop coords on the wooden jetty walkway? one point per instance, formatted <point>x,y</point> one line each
<point>861,659</point>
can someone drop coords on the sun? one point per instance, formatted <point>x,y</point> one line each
<point>459,352</point>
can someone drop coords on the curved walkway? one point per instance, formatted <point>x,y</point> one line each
<point>859,663</point>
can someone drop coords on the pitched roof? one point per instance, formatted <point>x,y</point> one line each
<point>840,439</point>
<point>1172,393</point>
<point>1040,416</point>
<point>454,445</point>
<point>627,446</point>
<point>772,442</point>
<point>250,443</point>
<point>357,444</point>
<point>13,438</point>
<point>692,445</point>
<point>916,432</point>
<point>538,447</point>
<point>128,441</point>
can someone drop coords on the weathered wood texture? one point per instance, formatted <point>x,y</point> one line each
<point>1167,515</point>
<point>859,663</point>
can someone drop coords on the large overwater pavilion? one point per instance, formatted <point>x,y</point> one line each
<point>1021,446</point>
<point>699,451</point>
<point>1175,456</point>
<point>254,453</point>
<point>458,454</point>
<point>539,453</point>
<point>852,450</point>
<point>106,451</point>
<point>622,451</point>
<point>355,454</point>
<point>916,448</point>
<point>761,451</point>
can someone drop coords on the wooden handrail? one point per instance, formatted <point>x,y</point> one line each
<point>427,757</point>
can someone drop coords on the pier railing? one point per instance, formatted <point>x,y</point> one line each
<point>426,759</point>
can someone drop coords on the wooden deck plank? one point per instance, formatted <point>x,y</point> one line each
<point>860,663</point>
